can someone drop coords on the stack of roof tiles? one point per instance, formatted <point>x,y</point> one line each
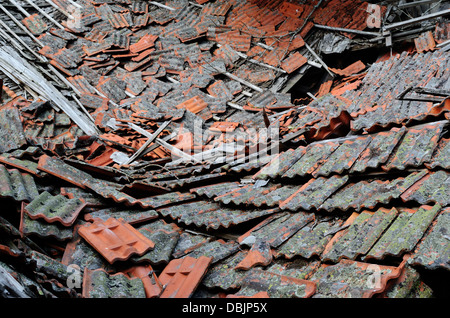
<point>360,208</point>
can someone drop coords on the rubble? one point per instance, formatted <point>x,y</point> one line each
<point>224,149</point>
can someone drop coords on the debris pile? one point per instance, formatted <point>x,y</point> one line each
<point>218,149</point>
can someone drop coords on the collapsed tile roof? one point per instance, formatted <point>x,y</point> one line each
<point>138,160</point>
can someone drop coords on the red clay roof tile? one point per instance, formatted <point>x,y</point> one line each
<point>115,239</point>
<point>293,62</point>
<point>182,276</point>
<point>425,42</point>
<point>194,104</point>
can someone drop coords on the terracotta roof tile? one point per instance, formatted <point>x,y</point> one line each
<point>17,185</point>
<point>416,147</point>
<point>440,156</point>
<point>115,239</point>
<point>278,228</point>
<point>35,24</point>
<point>291,9</point>
<point>224,274</point>
<point>194,104</point>
<point>131,216</point>
<point>408,225</point>
<point>182,276</point>
<point>260,283</point>
<point>11,135</point>
<point>425,42</point>
<point>314,193</point>
<point>312,159</point>
<point>431,250</point>
<point>42,228</point>
<point>334,280</point>
<point>293,62</point>
<point>379,150</point>
<point>361,235</point>
<point>99,284</point>
<point>55,208</point>
<point>428,189</point>
<point>354,68</point>
<point>361,174</point>
<point>343,157</point>
<point>224,126</point>
<point>149,279</point>
<point>237,41</point>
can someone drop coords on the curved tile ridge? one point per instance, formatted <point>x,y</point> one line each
<point>55,208</point>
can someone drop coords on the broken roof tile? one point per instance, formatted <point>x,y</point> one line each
<point>260,254</point>
<point>310,240</point>
<point>315,155</point>
<point>379,150</point>
<point>262,283</point>
<point>99,284</point>
<point>55,208</point>
<point>429,189</point>
<point>352,279</point>
<point>115,239</point>
<point>293,62</point>
<point>17,185</point>
<point>440,157</point>
<point>224,274</point>
<point>416,147</point>
<point>278,228</point>
<point>43,229</point>
<point>404,232</point>
<point>165,236</point>
<point>182,276</point>
<point>314,193</point>
<point>148,277</point>
<point>131,216</point>
<point>11,133</point>
<point>343,157</point>
<point>432,252</point>
<point>362,234</point>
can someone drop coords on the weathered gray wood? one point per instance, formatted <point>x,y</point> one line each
<point>45,14</point>
<point>10,287</point>
<point>325,27</point>
<point>415,3</point>
<point>151,138</point>
<point>15,67</point>
<point>416,20</point>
